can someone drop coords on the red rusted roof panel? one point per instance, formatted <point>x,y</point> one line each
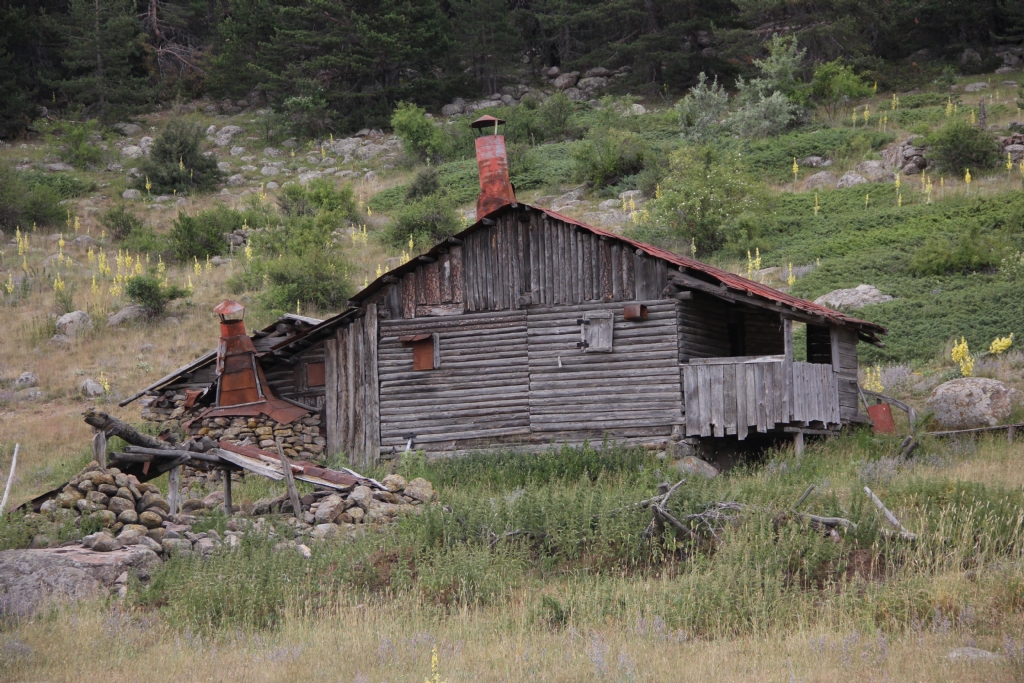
<point>229,308</point>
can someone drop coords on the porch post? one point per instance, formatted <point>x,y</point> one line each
<point>787,366</point>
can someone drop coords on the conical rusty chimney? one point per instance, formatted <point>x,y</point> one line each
<point>236,359</point>
<point>492,160</point>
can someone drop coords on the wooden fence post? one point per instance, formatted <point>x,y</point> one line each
<point>99,447</point>
<point>798,443</point>
<point>174,483</point>
<point>226,473</point>
<point>289,481</point>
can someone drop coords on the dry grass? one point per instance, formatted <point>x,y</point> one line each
<point>393,642</point>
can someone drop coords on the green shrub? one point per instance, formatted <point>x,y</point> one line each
<point>424,184</point>
<point>972,253</point>
<point>68,186</point>
<point>147,291</point>
<point>702,108</point>
<point>176,162</point>
<point>307,116</point>
<point>555,116</point>
<point>608,156</point>
<point>427,221</point>
<point>420,137</point>
<point>41,205</point>
<point>318,278</point>
<point>773,157</point>
<point>959,146</point>
<point>834,84</point>
<point>320,195</point>
<point>202,235</point>
<point>76,142</point>
<point>764,117</point>
<point>120,222</point>
<point>12,194</point>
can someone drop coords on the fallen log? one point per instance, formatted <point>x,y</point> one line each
<point>111,426</point>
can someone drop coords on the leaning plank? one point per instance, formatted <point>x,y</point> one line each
<point>249,464</point>
<point>289,481</point>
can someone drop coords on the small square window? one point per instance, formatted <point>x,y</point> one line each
<point>426,352</point>
<point>315,375</point>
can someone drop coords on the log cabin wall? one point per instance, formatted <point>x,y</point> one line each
<point>352,390</point>
<point>632,392</point>
<point>478,394</point>
<point>704,329</point>
<point>525,258</point>
<point>302,378</point>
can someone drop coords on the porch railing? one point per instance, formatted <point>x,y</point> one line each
<point>726,396</point>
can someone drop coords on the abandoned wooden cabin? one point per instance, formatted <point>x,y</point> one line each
<point>530,327</point>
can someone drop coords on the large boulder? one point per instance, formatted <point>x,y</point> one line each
<point>850,179</point>
<point>852,299</point>
<point>971,402</point>
<point>566,80</point>
<point>74,323</point>
<point>126,315</point>
<point>819,180</point>
<point>28,578</point>
<point>875,171</point>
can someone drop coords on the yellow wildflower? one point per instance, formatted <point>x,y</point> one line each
<point>873,379</point>
<point>962,356</point>
<point>1000,344</point>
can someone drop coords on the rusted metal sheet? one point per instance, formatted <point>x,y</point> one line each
<point>495,188</point>
<point>315,375</point>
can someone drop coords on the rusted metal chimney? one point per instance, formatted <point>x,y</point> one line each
<point>236,359</point>
<point>495,188</point>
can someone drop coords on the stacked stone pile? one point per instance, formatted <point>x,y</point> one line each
<point>1014,146</point>
<point>134,513</point>
<point>301,439</point>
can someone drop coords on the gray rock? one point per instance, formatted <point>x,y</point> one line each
<point>269,170</point>
<point>971,402</point>
<point>28,578</point>
<point>820,180</point>
<point>1009,84</point>
<point>206,546</point>
<point>131,194</point>
<point>90,388</point>
<point>236,180</point>
<point>568,199</point>
<point>361,496</point>
<point>852,299</point>
<point>117,505</point>
<point>59,167</point>
<point>875,171</point>
<point>591,84</point>
<point>212,130</point>
<point>566,80</point>
<point>693,465</point>
<point>128,129</point>
<point>552,72</point>
<point>394,482</point>
<point>272,152</point>
<point>575,94</point>
<point>237,151</point>
<point>812,161</point>
<point>420,489</point>
<point>132,152</point>
<point>976,87</point>
<point>74,323</point>
<point>849,179</point>
<point>1016,152</point>
<point>972,653</point>
<point>176,546</point>
<point>127,314</point>
<point>635,109</point>
<point>597,71</point>
<point>83,242</point>
<point>25,380</point>
<point>330,507</point>
<point>223,167</point>
<point>451,110</point>
<point>970,56</point>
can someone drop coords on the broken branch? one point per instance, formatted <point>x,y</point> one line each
<point>111,426</point>
<point>889,516</point>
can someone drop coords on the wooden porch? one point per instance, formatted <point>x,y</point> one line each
<point>732,396</point>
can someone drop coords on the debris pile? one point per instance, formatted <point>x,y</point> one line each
<point>133,513</point>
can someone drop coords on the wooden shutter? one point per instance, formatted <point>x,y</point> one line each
<point>315,375</point>
<point>596,331</point>
<point>426,351</point>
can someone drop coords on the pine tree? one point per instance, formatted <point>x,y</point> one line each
<point>17,77</point>
<point>104,56</point>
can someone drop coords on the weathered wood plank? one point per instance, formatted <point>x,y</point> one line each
<point>729,398</point>
<point>705,400</point>
<point>431,273</point>
<point>628,275</point>
<point>372,433</point>
<point>717,374</point>
<point>616,272</point>
<point>740,396</point>
<point>445,272</point>
<point>762,417</point>
<point>409,295</point>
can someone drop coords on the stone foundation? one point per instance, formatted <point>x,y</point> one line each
<point>302,439</point>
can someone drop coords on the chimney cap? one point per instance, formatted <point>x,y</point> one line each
<point>229,308</point>
<point>487,121</point>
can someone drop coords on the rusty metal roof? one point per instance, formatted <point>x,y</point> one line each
<point>730,281</point>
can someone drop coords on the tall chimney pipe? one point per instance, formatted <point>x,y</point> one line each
<point>492,160</point>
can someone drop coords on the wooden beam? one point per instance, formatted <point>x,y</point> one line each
<point>289,481</point>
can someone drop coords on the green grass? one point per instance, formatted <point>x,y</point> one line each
<point>876,245</point>
<point>560,525</point>
<point>773,158</point>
